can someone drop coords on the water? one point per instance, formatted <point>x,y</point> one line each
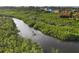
<point>46,42</point>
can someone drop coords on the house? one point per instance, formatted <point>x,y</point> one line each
<point>47,9</point>
<point>55,11</point>
<point>66,14</point>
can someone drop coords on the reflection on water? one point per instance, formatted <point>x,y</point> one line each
<point>46,42</point>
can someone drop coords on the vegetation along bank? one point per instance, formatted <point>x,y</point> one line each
<point>66,29</point>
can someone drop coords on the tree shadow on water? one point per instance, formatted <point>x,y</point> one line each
<point>72,38</point>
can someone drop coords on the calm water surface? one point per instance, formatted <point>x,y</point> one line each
<point>46,42</point>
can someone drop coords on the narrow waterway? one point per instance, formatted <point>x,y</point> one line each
<point>46,42</point>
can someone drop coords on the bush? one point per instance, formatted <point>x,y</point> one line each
<point>11,42</point>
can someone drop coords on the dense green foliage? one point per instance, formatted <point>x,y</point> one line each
<point>10,41</point>
<point>48,23</point>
